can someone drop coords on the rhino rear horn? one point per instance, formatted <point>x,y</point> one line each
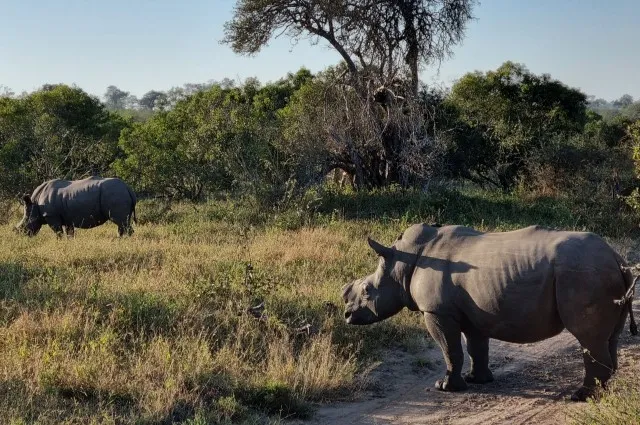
<point>380,249</point>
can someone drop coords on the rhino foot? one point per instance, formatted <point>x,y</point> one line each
<point>479,377</point>
<point>583,393</point>
<point>450,383</point>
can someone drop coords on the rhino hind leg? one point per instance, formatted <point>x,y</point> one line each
<point>124,225</point>
<point>125,229</point>
<point>613,340</point>
<point>598,368</point>
<point>446,332</point>
<point>478,349</point>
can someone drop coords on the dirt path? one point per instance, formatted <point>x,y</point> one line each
<point>532,385</point>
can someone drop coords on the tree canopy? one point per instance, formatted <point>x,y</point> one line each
<point>384,40</point>
<point>517,113</point>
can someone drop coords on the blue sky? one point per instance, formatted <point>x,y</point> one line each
<point>139,45</point>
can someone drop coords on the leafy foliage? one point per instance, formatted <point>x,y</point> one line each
<point>516,113</point>
<point>56,132</point>
<point>221,139</point>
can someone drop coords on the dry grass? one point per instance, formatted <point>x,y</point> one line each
<point>152,329</point>
<point>620,402</point>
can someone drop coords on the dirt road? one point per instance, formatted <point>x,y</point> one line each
<point>532,385</point>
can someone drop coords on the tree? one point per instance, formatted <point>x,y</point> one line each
<point>631,112</point>
<point>328,127</point>
<point>518,113</point>
<point>598,103</point>
<point>382,43</point>
<point>56,132</point>
<point>608,133</point>
<point>6,91</point>
<point>624,101</point>
<point>153,100</point>
<point>379,39</point>
<point>220,139</point>
<point>175,95</point>
<point>115,98</point>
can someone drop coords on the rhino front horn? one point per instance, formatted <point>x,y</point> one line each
<point>380,249</point>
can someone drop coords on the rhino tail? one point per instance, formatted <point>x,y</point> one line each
<point>134,201</point>
<point>633,328</point>
<point>630,283</point>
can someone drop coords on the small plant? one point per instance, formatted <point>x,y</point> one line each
<point>619,404</point>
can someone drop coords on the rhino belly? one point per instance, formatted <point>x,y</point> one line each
<point>87,222</point>
<point>520,313</point>
<point>531,329</point>
<point>84,216</point>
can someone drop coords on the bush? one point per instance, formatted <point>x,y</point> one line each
<point>56,132</point>
<point>619,404</point>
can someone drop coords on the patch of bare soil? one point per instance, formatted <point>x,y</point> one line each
<point>533,383</point>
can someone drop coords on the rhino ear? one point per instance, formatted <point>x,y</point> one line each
<point>380,249</point>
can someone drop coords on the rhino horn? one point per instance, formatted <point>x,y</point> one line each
<point>380,249</point>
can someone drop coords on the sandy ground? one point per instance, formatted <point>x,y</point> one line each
<point>533,383</point>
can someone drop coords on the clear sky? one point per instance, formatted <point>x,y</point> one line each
<point>139,45</point>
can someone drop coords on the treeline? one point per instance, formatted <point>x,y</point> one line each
<point>506,129</point>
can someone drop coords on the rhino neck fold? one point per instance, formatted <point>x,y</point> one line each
<point>406,282</point>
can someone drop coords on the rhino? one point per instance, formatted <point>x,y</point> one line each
<point>520,286</point>
<point>83,204</point>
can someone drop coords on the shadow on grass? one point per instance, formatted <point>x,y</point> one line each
<point>477,208</point>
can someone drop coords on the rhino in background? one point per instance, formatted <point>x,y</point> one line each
<point>521,286</point>
<point>80,204</point>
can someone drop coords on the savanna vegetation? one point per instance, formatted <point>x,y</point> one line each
<point>262,194</point>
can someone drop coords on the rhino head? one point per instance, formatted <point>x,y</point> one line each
<point>377,296</point>
<point>32,219</point>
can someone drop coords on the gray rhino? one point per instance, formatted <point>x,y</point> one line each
<point>521,286</point>
<point>83,204</point>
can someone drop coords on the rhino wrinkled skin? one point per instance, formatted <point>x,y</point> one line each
<point>521,286</point>
<point>80,204</point>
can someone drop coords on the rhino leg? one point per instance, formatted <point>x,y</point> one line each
<point>598,368</point>
<point>56,225</point>
<point>125,229</point>
<point>613,340</point>
<point>124,224</point>
<point>70,231</point>
<point>478,349</point>
<point>446,332</point>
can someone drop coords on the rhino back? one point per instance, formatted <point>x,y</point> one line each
<point>115,192</point>
<point>80,203</point>
<point>48,197</point>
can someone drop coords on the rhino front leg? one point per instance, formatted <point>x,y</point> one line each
<point>56,226</point>
<point>70,231</point>
<point>478,349</point>
<point>446,332</point>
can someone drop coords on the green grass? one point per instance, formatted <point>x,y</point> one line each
<point>619,404</point>
<point>153,330</point>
